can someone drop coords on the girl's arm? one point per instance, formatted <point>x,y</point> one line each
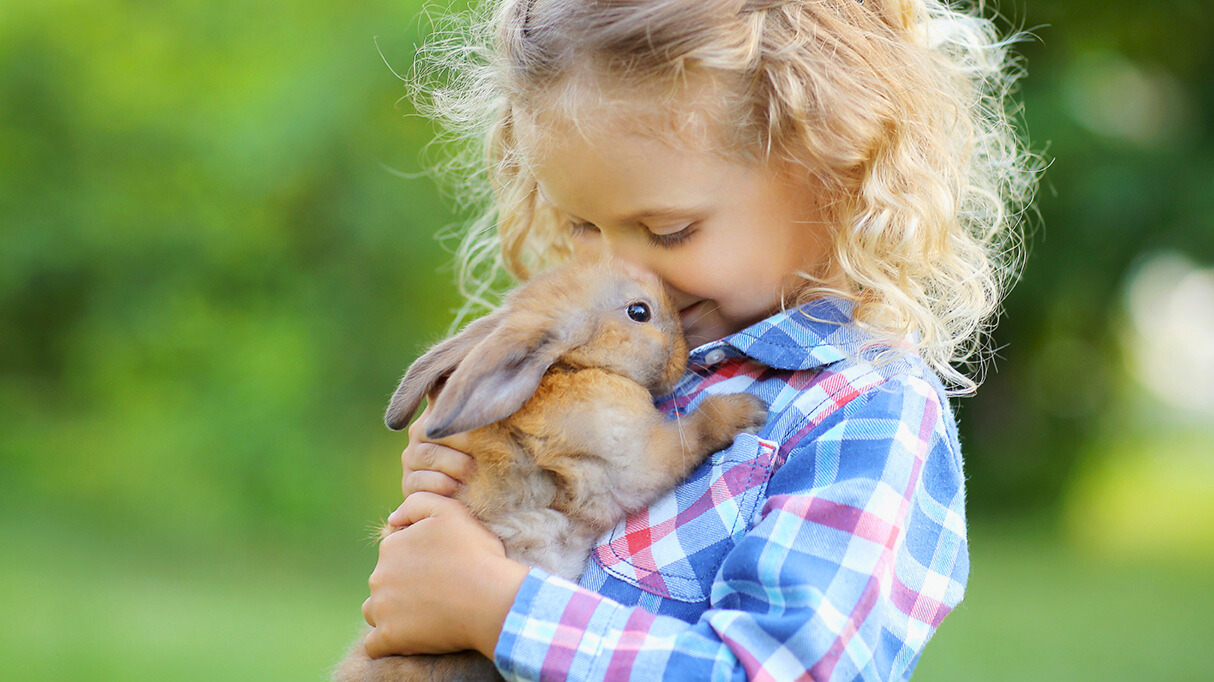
<point>856,556</point>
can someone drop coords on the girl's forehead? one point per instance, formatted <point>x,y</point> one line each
<point>694,113</point>
<point>604,122</point>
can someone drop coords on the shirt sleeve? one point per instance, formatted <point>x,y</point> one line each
<point>857,555</point>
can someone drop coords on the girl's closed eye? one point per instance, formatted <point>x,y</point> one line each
<point>671,239</point>
<point>662,238</point>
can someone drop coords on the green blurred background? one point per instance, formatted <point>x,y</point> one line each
<point>217,256</point>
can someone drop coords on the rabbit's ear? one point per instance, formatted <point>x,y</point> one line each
<point>500,374</point>
<point>429,371</point>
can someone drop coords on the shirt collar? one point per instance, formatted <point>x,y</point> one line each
<point>813,335</point>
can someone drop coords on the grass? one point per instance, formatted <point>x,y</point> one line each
<point>82,604</point>
<point>1037,609</point>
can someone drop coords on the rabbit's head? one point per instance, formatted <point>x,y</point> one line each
<point>606,315</point>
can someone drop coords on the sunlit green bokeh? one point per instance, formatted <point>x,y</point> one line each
<point>217,255</point>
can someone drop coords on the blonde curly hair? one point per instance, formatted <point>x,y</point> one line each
<point>898,109</point>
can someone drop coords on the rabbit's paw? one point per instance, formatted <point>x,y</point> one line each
<point>729,415</point>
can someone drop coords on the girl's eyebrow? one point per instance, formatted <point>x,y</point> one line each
<point>650,214</point>
<point>680,212</point>
<point>662,212</point>
<point>658,214</point>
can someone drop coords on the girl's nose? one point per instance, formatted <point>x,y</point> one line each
<point>626,249</point>
<point>636,262</point>
<point>643,274</point>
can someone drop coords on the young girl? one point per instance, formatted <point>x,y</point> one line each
<point>827,189</point>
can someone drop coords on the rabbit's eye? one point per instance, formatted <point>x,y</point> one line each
<point>639,312</point>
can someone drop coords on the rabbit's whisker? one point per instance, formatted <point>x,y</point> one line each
<point>678,418</point>
<point>706,312</point>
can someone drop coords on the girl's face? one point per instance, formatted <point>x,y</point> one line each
<point>728,238</point>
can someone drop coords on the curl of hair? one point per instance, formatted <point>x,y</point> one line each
<point>899,110</point>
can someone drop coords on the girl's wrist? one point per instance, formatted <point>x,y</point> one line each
<point>499,583</point>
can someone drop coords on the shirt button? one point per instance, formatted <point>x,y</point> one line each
<point>714,356</point>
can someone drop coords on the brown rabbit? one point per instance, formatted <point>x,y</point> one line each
<point>556,391</point>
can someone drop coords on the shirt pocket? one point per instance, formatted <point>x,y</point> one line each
<point>674,547</point>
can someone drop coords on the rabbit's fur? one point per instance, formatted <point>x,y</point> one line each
<point>556,391</point>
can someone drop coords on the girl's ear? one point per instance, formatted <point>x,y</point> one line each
<point>429,371</point>
<point>498,376</point>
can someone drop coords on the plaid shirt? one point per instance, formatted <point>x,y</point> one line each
<point>828,547</point>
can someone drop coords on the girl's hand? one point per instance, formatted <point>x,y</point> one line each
<point>439,467</point>
<point>442,584</point>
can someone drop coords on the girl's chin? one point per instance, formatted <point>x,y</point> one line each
<point>696,323</point>
<point>704,330</point>
<point>703,323</point>
<point>697,339</point>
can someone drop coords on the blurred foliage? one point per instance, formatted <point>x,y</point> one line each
<point>1119,99</point>
<point>209,276</point>
<point>217,255</point>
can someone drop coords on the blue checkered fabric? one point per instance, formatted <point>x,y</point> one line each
<point>829,546</point>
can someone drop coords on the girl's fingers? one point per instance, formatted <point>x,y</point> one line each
<point>426,456</point>
<point>417,434</point>
<point>421,505</point>
<point>434,466</point>
<point>430,481</point>
<point>447,462</point>
<point>417,431</point>
<point>367,613</point>
<point>375,644</point>
<point>418,506</point>
<point>397,518</point>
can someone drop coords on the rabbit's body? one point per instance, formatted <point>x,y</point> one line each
<point>585,447</point>
<point>550,482</point>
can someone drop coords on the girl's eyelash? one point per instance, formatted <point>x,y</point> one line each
<point>669,241</point>
<point>662,241</point>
